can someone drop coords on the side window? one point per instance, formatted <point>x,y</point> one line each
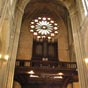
<point>85,6</point>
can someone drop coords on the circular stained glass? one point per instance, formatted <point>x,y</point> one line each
<point>45,27</point>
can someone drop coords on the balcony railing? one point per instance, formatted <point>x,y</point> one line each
<point>46,64</point>
<point>45,70</point>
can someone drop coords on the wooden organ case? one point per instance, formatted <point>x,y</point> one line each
<point>44,53</point>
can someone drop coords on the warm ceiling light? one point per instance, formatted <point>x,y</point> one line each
<point>36,20</point>
<point>31,30</point>
<point>44,27</point>
<point>0,55</point>
<point>39,18</point>
<point>52,21</point>
<point>43,36</point>
<point>58,77</point>
<point>44,18</point>
<point>32,22</point>
<point>38,37</point>
<point>49,18</point>
<point>55,28</point>
<point>49,37</point>
<point>6,57</point>
<point>35,76</point>
<point>60,73</point>
<point>56,32</point>
<point>86,60</point>
<point>32,26</point>
<point>55,24</point>
<point>35,33</point>
<point>31,72</point>
<point>52,34</point>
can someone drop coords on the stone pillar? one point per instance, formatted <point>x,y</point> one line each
<point>79,49</point>
<point>5,23</point>
<point>70,41</point>
<point>3,65</point>
<point>15,25</point>
<point>7,70</point>
<point>13,48</point>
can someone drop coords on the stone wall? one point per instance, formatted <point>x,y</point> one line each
<point>80,45</point>
<point>26,39</point>
<point>25,42</point>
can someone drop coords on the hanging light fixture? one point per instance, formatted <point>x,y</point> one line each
<point>44,27</point>
<point>34,76</point>
<point>31,72</point>
<point>58,77</point>
<point>60,73</point>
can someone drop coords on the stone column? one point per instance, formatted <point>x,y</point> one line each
<point>79,49</point>
<point>70,41</point>
<point>5,23</point>
<point>7,70</point>
<point>3,65</point>
<point>13,47</point>
<point>15,25</point>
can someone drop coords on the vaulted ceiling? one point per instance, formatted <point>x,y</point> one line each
<point>48,8</point>
<point>54,9</point>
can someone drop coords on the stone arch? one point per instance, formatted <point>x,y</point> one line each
<point>21,4</point>
<point>75,29</point>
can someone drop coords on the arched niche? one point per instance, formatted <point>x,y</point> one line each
<point>63,32</point>
<point>21,4</point>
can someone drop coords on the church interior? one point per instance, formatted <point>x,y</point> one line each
<point>43,44</point>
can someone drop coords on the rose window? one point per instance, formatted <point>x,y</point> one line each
<point>44,27</point>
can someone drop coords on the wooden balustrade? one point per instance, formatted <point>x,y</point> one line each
<point>46,64</point>
<point>46,70</point>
